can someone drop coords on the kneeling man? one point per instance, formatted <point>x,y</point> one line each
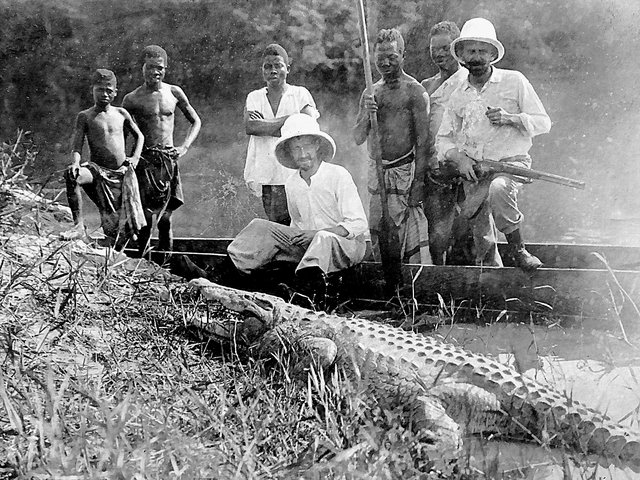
<point>328,223</point>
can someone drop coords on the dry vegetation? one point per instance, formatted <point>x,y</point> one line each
<point>100,378</point>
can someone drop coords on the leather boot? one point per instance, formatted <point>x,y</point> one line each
<point>311,284</point>
<point>521,257</point>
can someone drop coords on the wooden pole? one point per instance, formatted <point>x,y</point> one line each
<point>388,240</point>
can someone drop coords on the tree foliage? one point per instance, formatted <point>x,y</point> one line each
<point>48,49</point>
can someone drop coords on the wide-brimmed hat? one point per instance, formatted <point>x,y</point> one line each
<point>481,30</point>
<point>298,125</point>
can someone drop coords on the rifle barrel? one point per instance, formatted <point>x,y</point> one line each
<point>534,174</point>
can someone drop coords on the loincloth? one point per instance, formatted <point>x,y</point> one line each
<point>106,189</point>
<point>398,177</point>
<point>410,221</point>
<point>159,179</point>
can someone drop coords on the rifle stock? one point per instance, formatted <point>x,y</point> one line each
<point>388,240</point>
<point>493,166</point>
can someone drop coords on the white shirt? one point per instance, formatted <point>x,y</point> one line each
<point>331,199</point>
<point>466,127</point>
<point>261,167</point>
<point>438,100</point>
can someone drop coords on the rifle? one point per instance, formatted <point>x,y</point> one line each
<point>485,168</point>
<point>387,237</point>
<point>493,167</point>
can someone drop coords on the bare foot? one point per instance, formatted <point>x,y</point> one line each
<point>77,232</point>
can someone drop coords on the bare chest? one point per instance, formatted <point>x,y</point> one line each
<point>154,105</point>
<point>106,125</point>
<point>393,103</point>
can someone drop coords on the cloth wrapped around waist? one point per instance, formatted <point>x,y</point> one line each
<point>398,177</point>
<point>131,213</point>
<point>159,179</point>
<point>410,221</point>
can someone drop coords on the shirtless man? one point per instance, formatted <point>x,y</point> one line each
<point>402,107</point>
<point>153,106</point>
<point>101,178</point>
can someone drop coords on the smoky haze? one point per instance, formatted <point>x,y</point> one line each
<point>578,54</point>
<point>594,138</point>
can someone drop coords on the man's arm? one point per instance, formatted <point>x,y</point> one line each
<point>532,119</point>
<point>128,104</point>
<point>363,125</point>
<point>311,111</point>
<point>131,127</point>
<point>77,142</point>
<point>256,124</point>
<point>420,114</point>
<point>191,115</point>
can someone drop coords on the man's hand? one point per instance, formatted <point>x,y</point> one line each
<point>74,170</point>
<point>255,115</point>
<point>499,116</point>
<point>370,103</point>
<point>303,239</point>
<point>416,194</point>
<point>463,163</point>
<point>300,239</point>
<point>181,150</point>
<point>133,161</point>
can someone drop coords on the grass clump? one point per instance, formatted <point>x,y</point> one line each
<point>101,379</point>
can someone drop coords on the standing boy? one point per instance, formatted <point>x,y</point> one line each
<point>101,178</point>
<point>153,106</point>
<point>265,112</point>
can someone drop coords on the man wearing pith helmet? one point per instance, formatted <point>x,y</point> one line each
<point>328,222</point>
<point>494,114</point>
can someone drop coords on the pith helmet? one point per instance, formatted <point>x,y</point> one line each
<point>481,30</point>
<point>299,125</point>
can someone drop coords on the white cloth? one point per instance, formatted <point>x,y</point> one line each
<point>466,127</point>
<point>438,100</point>
<point>330,200</point>
<point>262,167</point>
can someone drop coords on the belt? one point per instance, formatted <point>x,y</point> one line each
<point>398,162</point>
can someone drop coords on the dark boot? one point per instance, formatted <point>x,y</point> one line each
<point>182,266</point>
<point>311,284</point>
<point>521,257</point>
<point>223,273</point>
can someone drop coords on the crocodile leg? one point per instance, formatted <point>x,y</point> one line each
<point>401,366</point>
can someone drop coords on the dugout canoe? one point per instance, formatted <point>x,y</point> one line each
<point>576,280</point>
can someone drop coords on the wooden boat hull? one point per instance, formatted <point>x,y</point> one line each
<point>575,281</point>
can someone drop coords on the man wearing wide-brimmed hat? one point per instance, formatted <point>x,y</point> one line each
<point>328,222</point>
<point>494,114</point>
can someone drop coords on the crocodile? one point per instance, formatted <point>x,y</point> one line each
<point>450,392</point>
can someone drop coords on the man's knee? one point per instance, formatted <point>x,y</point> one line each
<point>258,222</point>
<point>498,185</point>
<point>323,235</point>
<point>502,189</point>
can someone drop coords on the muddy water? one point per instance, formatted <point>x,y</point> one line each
<point>590,363</point>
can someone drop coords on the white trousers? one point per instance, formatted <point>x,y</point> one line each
<point>259,244</point>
